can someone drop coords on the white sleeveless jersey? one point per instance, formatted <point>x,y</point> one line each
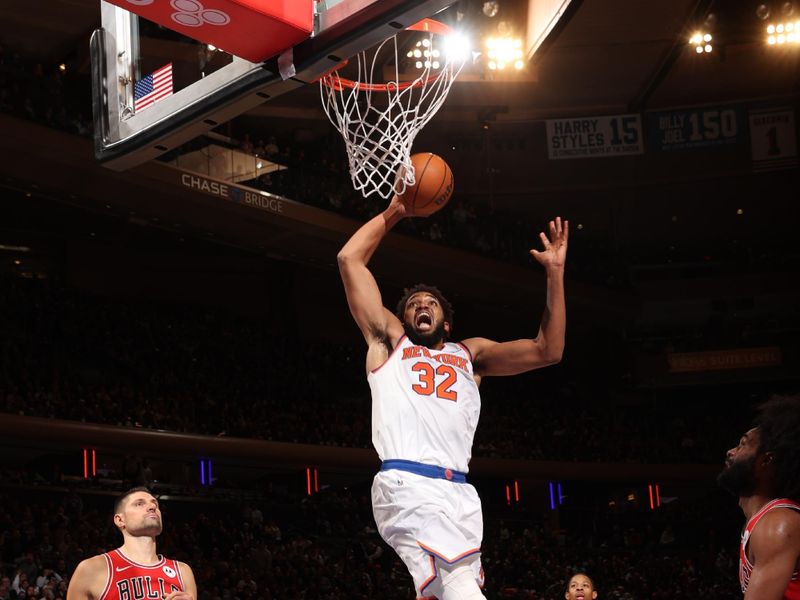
<point>425,405</point>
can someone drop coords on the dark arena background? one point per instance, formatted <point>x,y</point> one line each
<point>181,323</point>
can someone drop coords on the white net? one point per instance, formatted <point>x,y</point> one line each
<point>380,121</point>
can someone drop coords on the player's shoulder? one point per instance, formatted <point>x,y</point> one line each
<point>89,576</point>
<point>96,563</point>
<point>786,515</point>
<point>180,563</point>
<point>778,525</point>
<point>474,345</point>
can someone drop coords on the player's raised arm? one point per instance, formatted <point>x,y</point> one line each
<point>363,296</point>
<point>511,358</point>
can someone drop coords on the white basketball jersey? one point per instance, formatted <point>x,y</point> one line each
<point>425,405</point>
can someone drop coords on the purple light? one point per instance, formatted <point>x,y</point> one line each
<point>210,478</point>
<point>560,496</point>
<point>552,499</point>
<point>202,472</point>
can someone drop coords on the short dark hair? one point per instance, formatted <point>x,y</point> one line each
<point>575,574</point>
<point>447,308</point>
<point>778,423</point>
<point>120,500</point>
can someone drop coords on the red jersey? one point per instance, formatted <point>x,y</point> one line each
<point>746,569</point>
<point>128,580</point>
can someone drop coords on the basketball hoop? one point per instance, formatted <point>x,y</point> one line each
<point>378,138</point>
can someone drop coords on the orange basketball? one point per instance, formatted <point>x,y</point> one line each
<point>433,187</point>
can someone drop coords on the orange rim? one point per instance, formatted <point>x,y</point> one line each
<point>340,83</point>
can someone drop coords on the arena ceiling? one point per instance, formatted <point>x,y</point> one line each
<point>611,55</point>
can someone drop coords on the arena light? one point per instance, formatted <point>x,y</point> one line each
<point>702,42</point>
<point>504,52</point>
<point>779,34</point>
<point>86,470</point>
<point>457,47</point>
<point>425,54</point>
<point>312,481</point>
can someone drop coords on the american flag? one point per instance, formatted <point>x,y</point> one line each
<point>152,88</point>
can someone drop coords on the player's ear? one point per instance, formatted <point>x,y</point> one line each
<point>119,521</point>
<point>594,595</point>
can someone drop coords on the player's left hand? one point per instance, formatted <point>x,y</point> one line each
<point>180,595</point>
<point>554,255</point>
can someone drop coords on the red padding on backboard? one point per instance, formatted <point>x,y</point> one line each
<point>252,29</point>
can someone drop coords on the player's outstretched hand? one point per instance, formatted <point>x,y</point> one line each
<point>554,255</point>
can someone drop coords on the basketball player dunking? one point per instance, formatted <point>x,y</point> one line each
<point>764,471</point>
<point>133,571</point>
<point>425,408</point>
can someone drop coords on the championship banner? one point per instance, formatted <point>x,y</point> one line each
<point>773,139</point>
<point>594,137</point>
<point>699,128</point>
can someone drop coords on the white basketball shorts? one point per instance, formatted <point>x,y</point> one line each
<point>428,521</point>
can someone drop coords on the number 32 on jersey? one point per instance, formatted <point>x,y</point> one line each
<point>438,380</point>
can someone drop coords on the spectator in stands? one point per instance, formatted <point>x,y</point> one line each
<point>580,587</point>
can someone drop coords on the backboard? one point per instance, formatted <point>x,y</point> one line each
<point>210,86</point>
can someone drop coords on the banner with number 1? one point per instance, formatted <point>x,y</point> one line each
<point>773,139</point>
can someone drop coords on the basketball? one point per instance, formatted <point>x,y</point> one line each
<point>433,187</point>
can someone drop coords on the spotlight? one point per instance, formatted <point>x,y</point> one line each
<point>457,47</point>
<point>62,67</point>
<point>504,50</point>
<point>783,33</point>
<point>700,40</point>
<point>762,12</point>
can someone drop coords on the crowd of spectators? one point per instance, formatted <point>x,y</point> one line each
<point>325,547</point>
<point>45,93</point>
<point>206,371</point>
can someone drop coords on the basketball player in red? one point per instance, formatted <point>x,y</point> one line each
<point>764,472</point>
<point>133,571</point>
<point>425,408</point>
